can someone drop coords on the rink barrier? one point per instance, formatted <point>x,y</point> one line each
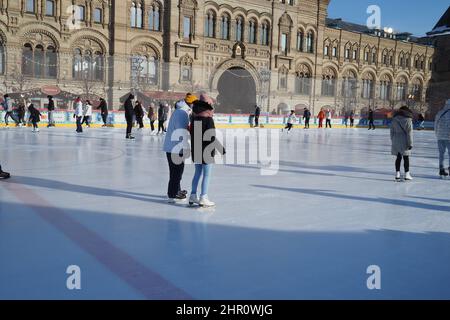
<point>65,118</point>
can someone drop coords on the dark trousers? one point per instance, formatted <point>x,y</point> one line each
<point>35,124</point>
<point>371,125</point>
<point>176,174</point>
<point>104,118</point>
<point>398,162</point>
<point>307,123</point>
<point>152,125</point>
<point>129,125</point>
<point>320,123</point>
<point>140,121</point>
<point>161,126</point>
<point>87,120</point>
<point>328,124</point>
<point>289,126</point>
<point>256,121</point>
<point>8,115</point>
<point>79,127</point>
<point>352,122</point>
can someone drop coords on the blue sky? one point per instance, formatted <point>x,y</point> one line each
<point>415,16</point>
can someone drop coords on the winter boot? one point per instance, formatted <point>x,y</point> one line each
<point>4,175</point>
<point>443,173</point>
<point>398,176</point>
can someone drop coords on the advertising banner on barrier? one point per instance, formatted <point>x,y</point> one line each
<point>222,119</point>
<point>239,119</point>
<point>276,120</point>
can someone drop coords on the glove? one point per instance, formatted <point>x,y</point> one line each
<point>410,147</point>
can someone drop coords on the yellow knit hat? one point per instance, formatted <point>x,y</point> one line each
<point>190,98</point>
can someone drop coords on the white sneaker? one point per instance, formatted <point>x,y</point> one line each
<point>408,176</point>
<point>37,130</point>
<point>398,176</point>
<point>193,199</point>
<point>204,202</point>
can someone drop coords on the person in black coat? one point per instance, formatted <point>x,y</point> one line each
<point>35,117</point>
<point>162,117</point>
<point>203,149</point>
<point>51,109</point>
<point>371,120</point>
<point>129,114</point>
<point>139,113</point>
<point>306,117</point>
<point>103,107</point>
<point>3,174</point>
<point>257,114</point>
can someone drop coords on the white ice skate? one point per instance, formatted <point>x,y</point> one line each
<point>408,176</point>
<point>398,176</point>
<point>193,199</point>
<point>205,202</point>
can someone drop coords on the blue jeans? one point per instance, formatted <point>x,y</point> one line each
<point>444,145</point>
<point>200,169</point>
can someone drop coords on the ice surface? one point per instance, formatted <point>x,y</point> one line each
<point>311,231</point>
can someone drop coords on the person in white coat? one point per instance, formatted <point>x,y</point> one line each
<point>292,119</point>
<point>78,114</point>
<point>442,131</point>
<point>87,113</point>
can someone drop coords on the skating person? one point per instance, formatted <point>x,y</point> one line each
<point>442,131</point>
<point>78,114</point>
<point>402,140</point>
<point>257,115</point>
<point>176,155</point>
<point>139,113</point>
<point>346,116</point>
<point>292,119</point>
<point>306,117</point>
<point>371,120</point>
<point>21,114</point>
<point>129,114</point>
<point>162,117</point>
<point>35,117</point>
<point>352,118</point>
<point>321,116</point>
<point>51,110</point>
<point>8,108</point>
<point>202,152</point>
<point>103,107</point>
<point>421,122</point>
<point>87,113</point>
<point>328,119</point>
<point>3,174</point>
<point>152,117</point>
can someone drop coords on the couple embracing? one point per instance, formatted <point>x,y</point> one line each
<point>192,118</point>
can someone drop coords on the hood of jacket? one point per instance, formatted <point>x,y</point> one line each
<point>201,106</point>
<point>407,113</point>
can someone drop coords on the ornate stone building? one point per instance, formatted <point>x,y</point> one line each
<point>281,54</point>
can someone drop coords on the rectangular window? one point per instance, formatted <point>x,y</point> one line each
<point>187,28</point>
<point>50,8</point>
<point>366,56</point>
<point>355,53</point>
<point>334,52</point>
<point>325,51</point>
<point>347,53</point>
<point>81,13</point>
<point>30,6</point>
<point>98,15</point>
<point>284,42</point>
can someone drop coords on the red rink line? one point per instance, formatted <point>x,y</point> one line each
<point>150,284</point>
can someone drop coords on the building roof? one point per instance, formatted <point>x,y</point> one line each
<point>443,25</point>
<point>360,28</point>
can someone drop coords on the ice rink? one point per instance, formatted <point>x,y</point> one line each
<point>97,201</point>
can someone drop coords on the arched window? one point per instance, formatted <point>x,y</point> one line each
<point>303,80</point>
<point>283,78</point>
<point>136,15</point>
<point>225,27</point>
<point>416,90</point>
<point>385,88</point>
<point>133,15</point>
<point>2,57</point>
<point>186,69</point>
<point>39,61</point>
<point>349,84</point>
<point>328,83</point>
<point>310,42</point>
<point>368,86</point>
<point>88,65</point>
<point>252,25</point>
<point>144,69</point>
<point>265,27</point>
<point>239,29</point>
<point>210,24</point>
<point>154,14</point>
<point>401,89</point>
<point>300,40</point>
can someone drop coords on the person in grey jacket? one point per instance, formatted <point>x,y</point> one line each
<point>402,140</point>
<point>7,106</point>
<point>442,131</point>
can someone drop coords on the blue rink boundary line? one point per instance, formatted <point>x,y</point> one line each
<point>144,280</point>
